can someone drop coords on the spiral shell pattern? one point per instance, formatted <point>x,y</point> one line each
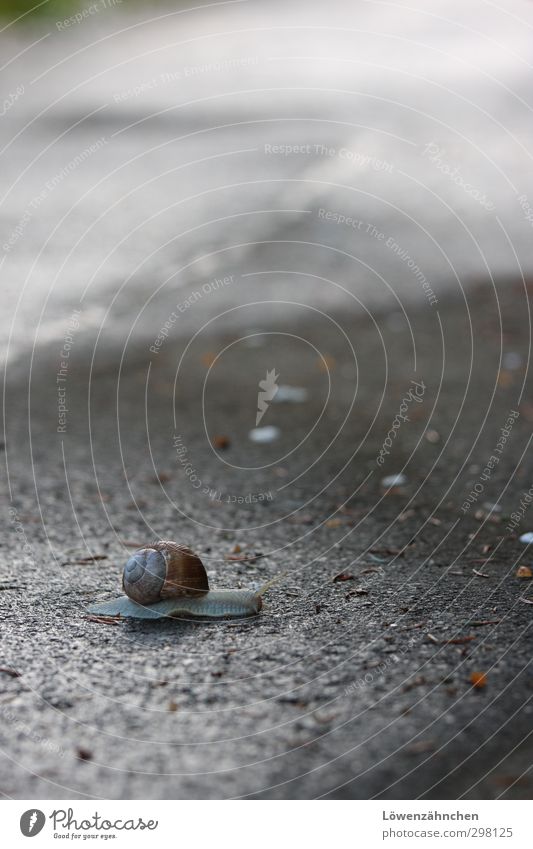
<point>164,570</point>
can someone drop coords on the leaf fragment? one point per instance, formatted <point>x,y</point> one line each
<point>478,680</point>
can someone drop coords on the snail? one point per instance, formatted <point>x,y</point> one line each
<point>167,579</point>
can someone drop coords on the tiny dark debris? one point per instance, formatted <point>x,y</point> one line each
<point>457,641</point>
<point>221,442</point>
<point>11,672</point>
<point>244,558</point>
<point>478,680</point>
<point>161,477</point>
<point>416,682</point>
<point>393,552</point>
<point>420,747</point>
<point>358,591</point>
<point>104,620</point>
<point>91,559</point>
<point>477,623</point>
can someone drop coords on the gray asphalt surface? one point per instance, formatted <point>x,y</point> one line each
<point>349,688</point>
<point>150,286</point>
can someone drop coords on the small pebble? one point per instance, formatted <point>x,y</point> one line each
<point>492,508</point>
<point>394,480</point>
<point>264,434</point>
<point>290,394</point>
<point>527,539</point>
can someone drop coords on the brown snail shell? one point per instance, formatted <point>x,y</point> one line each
<point>164,569</point>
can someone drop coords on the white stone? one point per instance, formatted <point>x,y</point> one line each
<point>394,480</point>
<point>264,434</point>
<point>290,394</point>
<point>527,538</point>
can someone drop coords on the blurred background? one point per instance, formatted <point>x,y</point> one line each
<point>145,153</point>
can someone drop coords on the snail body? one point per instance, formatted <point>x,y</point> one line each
<point>165,579</point>
<point>216,604</point>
